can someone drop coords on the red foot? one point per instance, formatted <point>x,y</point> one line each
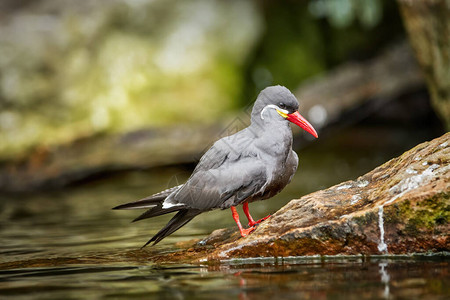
<point>251,224</point>
<point>246,231</point>
<point>243,231</point>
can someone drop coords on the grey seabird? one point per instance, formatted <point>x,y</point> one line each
<point>253,164</point>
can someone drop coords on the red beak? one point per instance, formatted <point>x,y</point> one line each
<point>297,119</point>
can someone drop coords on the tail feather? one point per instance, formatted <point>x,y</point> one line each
<point>179,220</point>
<point>155,207</point>
<point>157,211</point>
<point>150,201</point>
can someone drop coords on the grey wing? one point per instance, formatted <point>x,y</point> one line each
<point>292,163</point>
<point>226,149</point>
<point>223,187</point>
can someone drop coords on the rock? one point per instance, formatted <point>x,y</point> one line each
<point>351,85</point>
<point>402,206</point>
<point>55,167</point>
<point>428,27</point>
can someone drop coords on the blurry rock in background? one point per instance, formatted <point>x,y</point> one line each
<point>428,25</point>
<point>77,68</point>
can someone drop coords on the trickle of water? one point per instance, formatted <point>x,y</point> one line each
<point>382,247</point>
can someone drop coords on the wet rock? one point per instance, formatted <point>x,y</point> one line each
<point>402,206</point>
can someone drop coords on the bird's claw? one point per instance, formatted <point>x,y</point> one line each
<point>247,231</point>
<point>252,224</point>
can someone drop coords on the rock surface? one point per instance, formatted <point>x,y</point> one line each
<point>402,206</point>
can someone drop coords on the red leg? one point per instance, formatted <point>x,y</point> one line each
<point>243,231</point>
<point>251,222</point>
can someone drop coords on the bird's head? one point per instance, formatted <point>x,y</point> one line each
<point>278,103</point>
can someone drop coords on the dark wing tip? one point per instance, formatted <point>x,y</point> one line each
<point>150,201</point>
<point>119,206</point>
<point>128,205</point>
<point>149,241</point>
<point>178,221</point>
<point>137,205</point>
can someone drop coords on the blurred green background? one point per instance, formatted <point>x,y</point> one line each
<point>71,69</point>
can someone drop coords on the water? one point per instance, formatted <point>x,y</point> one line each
<point>350,278</point>
<point>69,244</point>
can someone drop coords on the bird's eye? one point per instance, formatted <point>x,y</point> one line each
<point>282,105</point>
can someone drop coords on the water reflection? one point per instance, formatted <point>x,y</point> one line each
<point>385,279</point>
<point>351,278</point>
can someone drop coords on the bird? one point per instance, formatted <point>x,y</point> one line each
<point>253,164</point>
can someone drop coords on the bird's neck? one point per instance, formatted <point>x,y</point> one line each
<point>275,127</point>
<point>274,137</point>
